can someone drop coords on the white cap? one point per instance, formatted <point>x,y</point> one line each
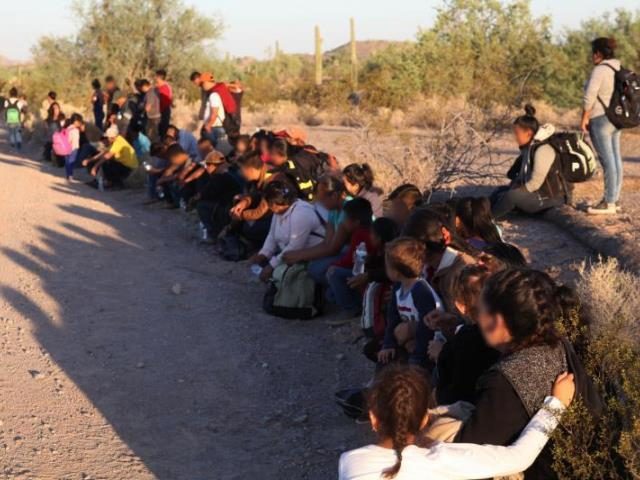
<point>112,132</point>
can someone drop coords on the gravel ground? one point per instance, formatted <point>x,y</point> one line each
<point>129,351</point>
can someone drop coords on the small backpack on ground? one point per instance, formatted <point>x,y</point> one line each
<point>12,114</point>
<point>576,159</point>
<point>624,109</point>
<point>292,293</point>
<point>231,123</point>
<point>61,143</point>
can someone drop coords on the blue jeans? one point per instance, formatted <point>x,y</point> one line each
<point>15,136</point>
<point>69,162</point>
<point>215,135</point>
<point>606,140</point>
<point>345,297</point>
<point>317,269</point>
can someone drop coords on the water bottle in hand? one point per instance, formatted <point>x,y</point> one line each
<point>360,259</point>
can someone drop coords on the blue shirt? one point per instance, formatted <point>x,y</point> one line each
<point>142,145</point>
<point>189,144</point>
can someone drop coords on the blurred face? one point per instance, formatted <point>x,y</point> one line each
<point>197,81</point>
<point>329,200</point>
<point>352,188</point>
<point>493,328</point>
<point>264,146</point>
<point>205,148</point>
<point>250,174</point>
<point>241,147</point>
<point>277,159</point>
<point>110,85</point>
<point>392,274</point>
<point>522,135</point>
<point>597,58</point>
<point>399,212</point>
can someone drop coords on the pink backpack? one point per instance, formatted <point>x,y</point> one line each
<point>61,144</point>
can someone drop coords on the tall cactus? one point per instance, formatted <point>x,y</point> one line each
<point>354,56</point>
<point>318,56</point>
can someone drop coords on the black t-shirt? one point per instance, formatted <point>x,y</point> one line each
<point>221,188</point>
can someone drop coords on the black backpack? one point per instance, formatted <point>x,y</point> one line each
<point>624,109</point>
<point>576,159</point>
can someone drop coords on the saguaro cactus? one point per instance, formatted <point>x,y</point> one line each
<point>354,56</point>
<point>318,57</point>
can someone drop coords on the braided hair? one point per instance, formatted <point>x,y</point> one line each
<point>530,302</point>
<point>399,399</point>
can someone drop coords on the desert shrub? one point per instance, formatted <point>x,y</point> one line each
<point>610,348</point>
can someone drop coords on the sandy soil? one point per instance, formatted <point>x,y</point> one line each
<point>128,351</point>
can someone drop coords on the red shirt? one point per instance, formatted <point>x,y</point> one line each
<point>362,234</point>
<point>166,97</point>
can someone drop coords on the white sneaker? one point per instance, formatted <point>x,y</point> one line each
<point>603,208</point>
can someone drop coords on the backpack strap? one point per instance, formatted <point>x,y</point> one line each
<point>614,73</point>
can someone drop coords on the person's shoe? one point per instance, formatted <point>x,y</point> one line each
<point>603,208</point>
<point>618,207</point>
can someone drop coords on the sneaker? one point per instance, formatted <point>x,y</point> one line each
<point>603,208</point>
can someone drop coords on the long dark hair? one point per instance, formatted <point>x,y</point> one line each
<point>399,399</point>
<point>360,174</point>
<point>531,304</point>
<point>605,46</point>
<point>528,120</point>
<point>280,193</point>
<point>425,225</point>
<point>475,216</point>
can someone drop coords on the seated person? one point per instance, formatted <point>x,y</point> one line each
<point>358,180</point>
<point>279,159</point>
<point>474,222</point>
<point>217,188</point>
<point>186,140</point>
<point>240,147</point>
<point>116,162</point>
<point>295,224</point>
<point>404,200</point>
<point>357,224</point>
<point>412,299</point>
<point>139,141</point>
<point>399,405</point>
<point>169,179</point>
<point>465,356</point>
<point>332,196</point>
<point>536,178</point>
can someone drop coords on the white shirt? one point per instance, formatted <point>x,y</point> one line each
<point>456,461</point>
<point>214,101</point>
<point>297,228</point>
<point>74,137</point>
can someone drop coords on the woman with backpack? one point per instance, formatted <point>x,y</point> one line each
<point>536,178</point>
<point>605,136</point>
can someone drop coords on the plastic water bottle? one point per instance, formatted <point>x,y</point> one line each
<point>100,179</point>
<point>361,258</point>
<point>204,233</point>
<point>254,273</point>
<point>183,204</point>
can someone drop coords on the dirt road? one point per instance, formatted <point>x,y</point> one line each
<point>128,351</point>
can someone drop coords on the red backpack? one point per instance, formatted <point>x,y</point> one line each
<point>228,102</point>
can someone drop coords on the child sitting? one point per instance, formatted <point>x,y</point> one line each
<point>357,223</point>
<point>399,405</point>
<point>412,299</point>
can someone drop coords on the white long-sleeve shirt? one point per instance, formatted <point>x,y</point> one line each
<point>456,461</point>
<point>74,137</point>
<point>601,84</point>
<point>297,228</point>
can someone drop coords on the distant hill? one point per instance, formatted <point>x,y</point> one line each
<point>364,48</point>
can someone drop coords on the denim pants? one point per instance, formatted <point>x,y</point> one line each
<point>69,162</point>
<point>345,297</point>
<point>317,269</point>
<point>215,135</point>
<point>606,140</point>
<point>15,135</point>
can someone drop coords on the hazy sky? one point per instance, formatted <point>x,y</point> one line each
<point>253,26</point>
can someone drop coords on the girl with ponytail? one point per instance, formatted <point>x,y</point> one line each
<point>399,403</point>
<point>519,313</point>
<point>536,181</point>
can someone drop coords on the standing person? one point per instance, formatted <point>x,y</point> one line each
<point>97,100</point>
<point>237,92</point>
<point>604,135</point>
<point>152,110</point>
<point>73,134</point>
<point>196,79</point>
<point>53,114</point>
<point>214,114</point>
<point>14,115</point>
<point>114,97</point>
<point>165,93</point>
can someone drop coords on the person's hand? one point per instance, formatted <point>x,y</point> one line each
<point>443,321</point>
<point>359,281</point>
<point>564,388</point>
<point>207,128</point>
<point>236,211</point>
<point>291,258</point>
<point>266,273</point>
<point>386,355</point>
<point>584,125</point>
<point>434,349</point>
<point>94,171</point>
